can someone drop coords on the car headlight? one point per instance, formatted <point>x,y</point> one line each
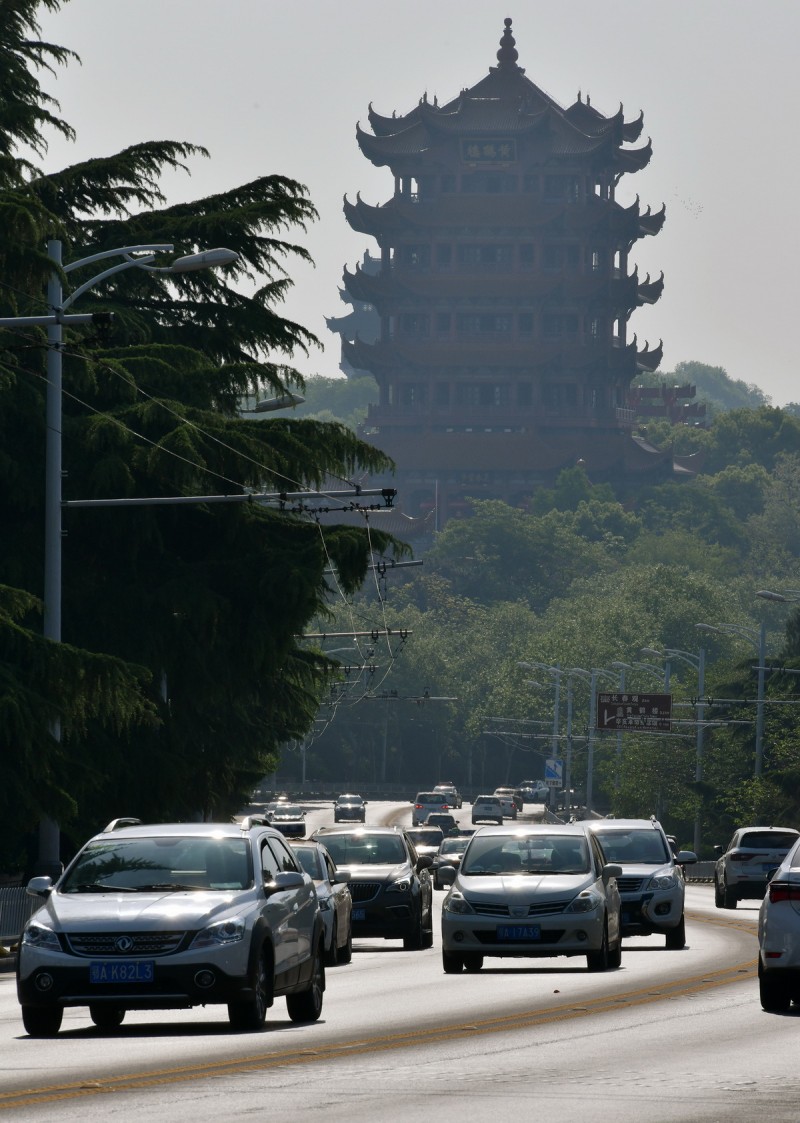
<point>587,902</point>
<point>39,936</point>
<point>223,932</point>
<point>402,885</point>
<point>663,881</point>
<point>458,905</point>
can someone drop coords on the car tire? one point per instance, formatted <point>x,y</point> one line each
<point>615,956</point>
<point>598,960</point>
<point>730,898</point>
<point>676,937</point>
<point>473,961</point>
<point>775,998</point>
<point>452,962</point>
<point>106,1017</point>
<point>331,956</point>
<point>306,1005</point>
<point>42,1021</point>
<point>415,941</point>
<point>249,1014</point>
<point>719,899</point>
<point>345,952</point>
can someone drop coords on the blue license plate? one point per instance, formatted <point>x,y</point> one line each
<point>122,971</point>
<point>359,914</point>
<point>519,932</point>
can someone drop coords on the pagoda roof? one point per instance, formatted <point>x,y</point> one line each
<point>508,103</point>
<point>650,291</point>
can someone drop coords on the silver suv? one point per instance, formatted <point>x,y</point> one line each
<point>743,868</point>
<point>171,916</point>
<point>652,887</point>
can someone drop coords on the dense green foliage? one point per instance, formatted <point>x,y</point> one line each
<point>182,673</point>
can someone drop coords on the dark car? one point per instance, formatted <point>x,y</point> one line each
<point>449,854</point>
<point>443,820</point>
<point>289,819</point>
<point>349,808</point>
<point>389,883</point>
<point>426,840</point>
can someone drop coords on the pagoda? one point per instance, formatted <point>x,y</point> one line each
<point>502,352</point>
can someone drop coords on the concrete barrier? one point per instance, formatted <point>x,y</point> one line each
<point>16,907</point>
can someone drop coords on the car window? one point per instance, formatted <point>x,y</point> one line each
<point>169,862</point>
<point>768,840</point>
<point>286,860</point>
<point>364,849</point>
<point>453,846</point>
<point>309,858</point>
<point>532,854</point>
<point>269,863</point>
<point>637,845</point>
<point>427,836</point>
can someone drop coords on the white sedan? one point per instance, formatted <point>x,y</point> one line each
<point>779,936</point>
<point>333,894</point>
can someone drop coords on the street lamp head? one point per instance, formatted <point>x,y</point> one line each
<point>783,598</point>
<point>652,651</point>
<point>208,259</point>
<point>622,666</point>
<point>282,401</point>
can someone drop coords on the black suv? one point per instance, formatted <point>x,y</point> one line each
<point>389,883</point>
<point>349,808</point>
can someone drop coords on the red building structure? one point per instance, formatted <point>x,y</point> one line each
<point>503,295</point>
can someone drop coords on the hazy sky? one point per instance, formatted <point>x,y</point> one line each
<point>277,87</point>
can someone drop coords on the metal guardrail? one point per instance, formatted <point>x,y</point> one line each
<point>16,906</point>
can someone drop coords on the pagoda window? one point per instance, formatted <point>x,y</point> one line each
<point>485,255</point>
<point>525,323</point>
<point>559,325</point>
<point>425,185</point>
<point>526,255</point>
<point>599,261</point>
<point>551,396</point>
<point>442,394</point>
<point>415,257</point>
<point>562,188</point>
<point>486,323</point>
<point>412,394</point>
<point>595,330</point>
<point>488,183</point>
<point>415,323</point>
<point>444,254</point>
<point>524,395</point>
<point>443,323</point>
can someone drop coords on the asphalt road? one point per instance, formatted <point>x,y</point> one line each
<point>671,1036</point>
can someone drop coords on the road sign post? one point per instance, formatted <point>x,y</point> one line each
<point>627,711</point>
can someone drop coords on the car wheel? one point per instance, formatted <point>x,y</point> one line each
<point>106,1017</point>
<point>730,899</point>
<point>427,933</point>
<point>306,1005</point>
<point>345,952</point>
<point>330,953</point>
<point>719,899</point>
<point>598,960</point>
<point>775,998</point>
<point>473,961</point>
<point>452,962</point>
<point>251,1013</point>
<point>676,937</point>
<point>415,941</point>
<point>42,1021</point>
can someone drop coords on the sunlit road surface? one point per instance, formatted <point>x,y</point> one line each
<point>669,1036</point>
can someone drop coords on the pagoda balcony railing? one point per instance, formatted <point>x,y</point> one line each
<point>496,418</point>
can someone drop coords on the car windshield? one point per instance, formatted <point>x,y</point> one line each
<point>358,849</point>
<point>526,854</point>
<point>768,840</point>
<point>429,836</point>
<point>309,859</point>
<point>453,846</point>
<point>349,799</point>
<point>133,865</point>
<point>638,845</point>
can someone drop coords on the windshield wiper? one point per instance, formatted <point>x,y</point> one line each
<point>99,887</point>
<point>166,885</point>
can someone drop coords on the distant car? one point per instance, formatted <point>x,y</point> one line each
<point>452,793</point>
<point>534,791</point>
<point>349,808</point>
<point>449,854</point>
<point>427,839</point>
<point>651,886</point>
<point>424,803</point>
<point>742,868</point>
<point>507,803</point>
<point>779,936</point>
<point>333,894</point>
<point>443,820</point>
<point>170,916</point>
<point>389,882</point>
<point>531,891</point>
<point>289,819</point>
<point>514,794</point>
<point>487,809</point>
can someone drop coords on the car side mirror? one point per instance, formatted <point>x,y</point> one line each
<point>40,886</point>
<point>447,875</point>
<point>286,879</point>
<point>717,849</point>
<point>771,872</point>
<point>610,871</point>
<point>685,857</point>
<point>424,862</point>
<point>341,877</point>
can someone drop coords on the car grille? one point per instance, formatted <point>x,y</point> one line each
<point>546,908</point>
<point>362,891</point>
<point>631,884</point>
<point>141,943</point>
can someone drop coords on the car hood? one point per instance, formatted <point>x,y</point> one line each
<point>190,910</point>
<point>522,886</point>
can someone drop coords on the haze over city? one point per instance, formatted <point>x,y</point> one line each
<point>278,89</point>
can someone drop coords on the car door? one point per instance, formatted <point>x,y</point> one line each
<point>340,895</point>
<point>301,904</point>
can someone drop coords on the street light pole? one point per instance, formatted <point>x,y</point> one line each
<point>49,841</point>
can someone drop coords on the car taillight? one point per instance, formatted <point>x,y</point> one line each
<point>744,855</point>
<point>783,891</point>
